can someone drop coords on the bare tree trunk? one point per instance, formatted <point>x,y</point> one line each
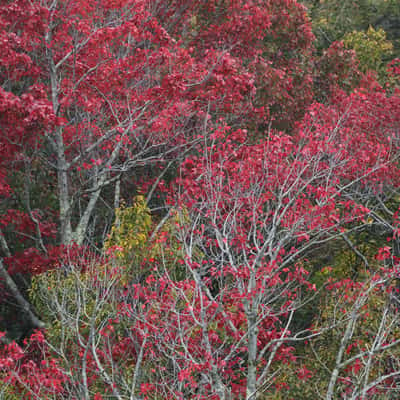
<point>62,165</point>
<point>339,357</point>
<point>252,332</point>
<point>80,231</point>
<point>251,392</point>
<point>63,192</point>
<point>24,304</point>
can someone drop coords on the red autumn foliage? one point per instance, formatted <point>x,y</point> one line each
<point>275,153</point>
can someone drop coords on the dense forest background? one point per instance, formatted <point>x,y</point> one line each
<point>199,199</point>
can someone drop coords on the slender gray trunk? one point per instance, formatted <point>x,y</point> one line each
<point>80,231</point>
<point>63,192</point>
<point>24,304</point>
<point>339,357</point>
<point>62,165</point>
<point>252,333</point>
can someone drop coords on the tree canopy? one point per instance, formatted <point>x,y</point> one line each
<point>200,200</point>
